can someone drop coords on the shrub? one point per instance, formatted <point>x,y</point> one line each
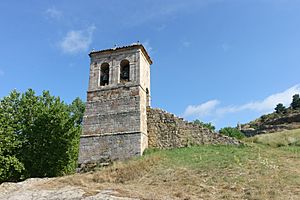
<point>232,132</point>
<point>209,125</point>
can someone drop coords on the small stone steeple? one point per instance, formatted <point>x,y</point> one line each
<point>115,120</point>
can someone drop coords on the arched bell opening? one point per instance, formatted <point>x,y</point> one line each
<point>124,71</point>
<point>104,75</point>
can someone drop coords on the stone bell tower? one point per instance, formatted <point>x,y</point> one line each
<point>115,119</point>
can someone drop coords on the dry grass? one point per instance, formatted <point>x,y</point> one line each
<point>284,138</point>
<point>205,172</point>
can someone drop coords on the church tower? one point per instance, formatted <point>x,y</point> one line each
<point>115,119</point>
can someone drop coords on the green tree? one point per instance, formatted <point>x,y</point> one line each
<point>232,132</point>
<point>280,108</point>
<point>77,108</point>
<point>50,135</point>
<point>209,125</point>
<point>296,102</point>
<point>39,135</point>
<point>11,168</point>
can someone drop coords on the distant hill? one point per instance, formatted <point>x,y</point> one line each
<point>274,122</point>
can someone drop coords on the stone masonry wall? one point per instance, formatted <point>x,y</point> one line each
<point>165,130</point>
<point>107,148</point>
<point>114,110</point>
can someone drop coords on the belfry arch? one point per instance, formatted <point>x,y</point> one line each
<point>104,74</point>
<point>124,71</point>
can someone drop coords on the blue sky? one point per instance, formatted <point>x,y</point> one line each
<point>221,61</point>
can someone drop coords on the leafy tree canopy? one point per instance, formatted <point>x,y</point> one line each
<point>280,108</point>
<point>296,102</point>
<point>39,135</point>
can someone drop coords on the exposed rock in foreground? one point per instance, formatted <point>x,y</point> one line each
<point>35,189</point>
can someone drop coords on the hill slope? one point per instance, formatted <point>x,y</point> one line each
<point>273,122</point>
<point>283,138</point>
<point>199,172</point>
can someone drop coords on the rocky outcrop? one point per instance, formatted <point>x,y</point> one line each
<point>38,189</point>
<point>165,130</point>
<point>272,123</point>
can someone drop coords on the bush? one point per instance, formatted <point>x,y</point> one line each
<point>232,132</point>
<point>205,125</point>
<point>42,133</point>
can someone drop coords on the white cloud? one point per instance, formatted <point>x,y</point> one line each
<point>265,105</point>
<point>1,72</point>
<point>54,13</point>
<point>77,40</point>
<point>201,110</point>
<point>210,108</point>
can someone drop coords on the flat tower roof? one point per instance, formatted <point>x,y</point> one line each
<point>133,46</point>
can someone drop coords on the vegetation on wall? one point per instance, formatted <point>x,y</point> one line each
<point>39,135</point>
<point>209,125</point>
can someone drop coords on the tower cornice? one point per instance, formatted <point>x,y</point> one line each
<point>123,48</point>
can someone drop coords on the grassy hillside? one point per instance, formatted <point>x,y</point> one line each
<point>283,138</point>
<point>273,122</point>
<point>254,171</point>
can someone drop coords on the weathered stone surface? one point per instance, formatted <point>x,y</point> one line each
<point>36,189</point>
<point>113,111</point>
<point>110,147</point>
<point>165,130</point>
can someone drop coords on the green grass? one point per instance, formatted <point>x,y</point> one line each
<point>284,138</point>
<point>196,157</point>
<point>253,171</point>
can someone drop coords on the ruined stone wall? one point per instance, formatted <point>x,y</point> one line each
<point>165,130</point>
